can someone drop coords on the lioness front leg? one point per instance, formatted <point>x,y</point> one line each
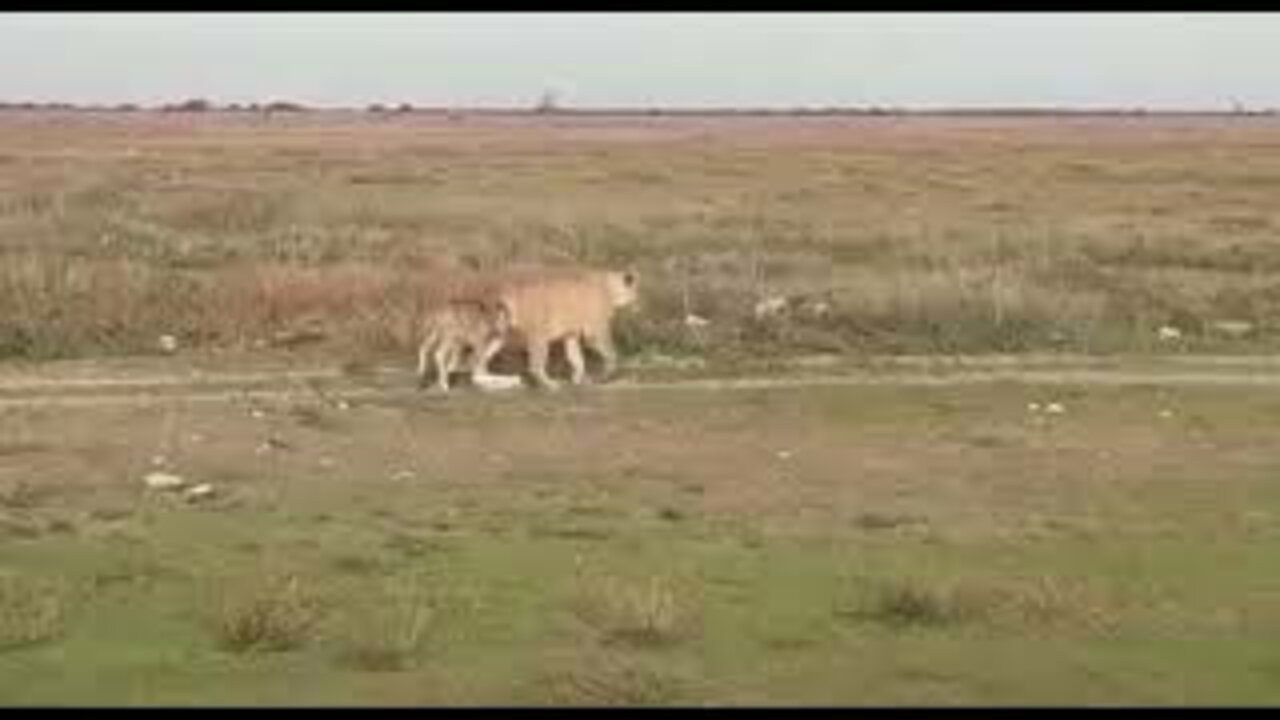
<point>603,343</point>
<point>445,357</point>
<point>573,352</point>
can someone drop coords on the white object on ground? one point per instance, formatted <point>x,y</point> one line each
<point>163,481</point>
<point>496,382</point>
<point>202,490</point>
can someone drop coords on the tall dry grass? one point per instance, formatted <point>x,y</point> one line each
<point>958,235</point>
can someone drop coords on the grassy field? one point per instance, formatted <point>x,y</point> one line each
<point>822,545</point>
<point>665,545</point>
<point>918,234</point>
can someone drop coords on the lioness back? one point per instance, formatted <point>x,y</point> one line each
<point>552,304</point>
<point>467,322</point>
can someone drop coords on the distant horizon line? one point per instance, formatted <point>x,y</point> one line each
<point>200,105</point>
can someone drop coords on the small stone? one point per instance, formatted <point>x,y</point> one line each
<point>327,462</point>
<point>1054,409</point>
<point>696,321</point>
<point>784,454</point>
<point>1168,333</point>
<point>496,382</point>
<point>163,481</point>
<point>197,492</point>
<point>168,343</point>
<point>1166,414</point>
<point>769,307</point>
<point>1033,407</point>
<point>271,444</point>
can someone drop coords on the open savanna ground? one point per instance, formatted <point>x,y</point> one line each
<point>894,234</point>
<point>668,546</point>
<point>687,534</point>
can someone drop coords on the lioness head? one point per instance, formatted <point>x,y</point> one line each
<point>624,287</point>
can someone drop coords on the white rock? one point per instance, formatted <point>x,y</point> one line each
<point>1169,333</point>
<point>1166,413</point>
<point>770,306</point>
<point>1054,409</point>
<point>163,481</point>
<point>1033,407</point>
<point>327,462</point>
<point>203,490</point>
<point>696,321</point>
<point>496,382</point>
<point>784,454</point>
<point>168,343</point>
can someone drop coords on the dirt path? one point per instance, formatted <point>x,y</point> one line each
<point>77,384</point>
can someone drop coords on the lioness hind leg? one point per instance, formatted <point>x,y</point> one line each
<point>480,375</point>
<point>446,355</point>
<point>424,360</point>
<point>573,351</point>
<point>538,353</point>
<point>480,364</point>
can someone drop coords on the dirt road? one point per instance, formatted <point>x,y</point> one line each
<point>132,383</point>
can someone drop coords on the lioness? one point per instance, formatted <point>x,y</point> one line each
<point>461,326</point>
<point>575,306</point>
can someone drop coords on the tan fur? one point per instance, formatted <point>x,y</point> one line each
<point>458,327</point>
<point>574,306</point>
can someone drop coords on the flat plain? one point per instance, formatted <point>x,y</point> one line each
<point>1002,542</point>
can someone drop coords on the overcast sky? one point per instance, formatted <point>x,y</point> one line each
<point>785,59</point>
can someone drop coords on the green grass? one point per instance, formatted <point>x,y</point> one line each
<point>652,548</point>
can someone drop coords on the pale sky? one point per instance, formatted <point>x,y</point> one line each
<point>1153,60</point>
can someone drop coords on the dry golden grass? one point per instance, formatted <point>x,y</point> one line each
<point>31,611</point>
<point>651,613</point>
<point>272,614</point>
<point>925,234</point>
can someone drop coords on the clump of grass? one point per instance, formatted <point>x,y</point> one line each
<point>31,612</point>
<point>652,613</point>
<point>313,418</point>
<point>394,635</point>
<point>609,679</point>
<point>271,615</point>
<point>1048,602</point>
<point>872,520</point>
<point>21,495</point>
<point>904,603</point>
